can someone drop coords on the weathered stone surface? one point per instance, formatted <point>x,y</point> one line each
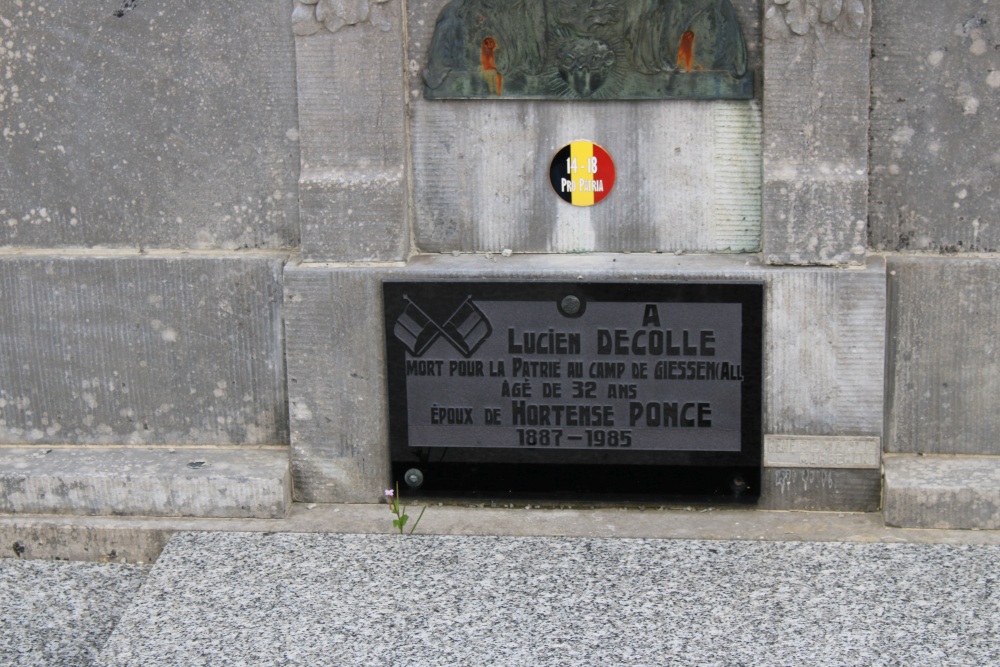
<point>688,177</point>
<point>104,539</point>
<point>820,489</point>
<point>216,482</point>
<point>942,491</point>
<point>304,21</point>
<point>935,158</point>
<point>351,113</point>
<point>688,173</point>
<point>803,451</point>
<point>353,215</point>
<point>816,132</point>
<point>167,349</point>
<point>823,352</point>
<point>336,384</point>
<point>944,364</point>
<point>336,14</point>
<point>171,126</point>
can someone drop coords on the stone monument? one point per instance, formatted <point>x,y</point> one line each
<point>449,184</point>
<point>202,207</point>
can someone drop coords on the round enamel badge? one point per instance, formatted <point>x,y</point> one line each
<point>582,173</point>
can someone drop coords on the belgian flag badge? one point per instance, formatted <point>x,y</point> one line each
<point>582,173</point>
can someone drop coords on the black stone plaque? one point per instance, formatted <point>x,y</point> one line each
<point>575,390</point>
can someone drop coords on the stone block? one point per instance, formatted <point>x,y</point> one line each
<point>820,489</point>
<point>689,182</point>
<point>816,132</point>
<point>825,337</point>
<point>335,354</point>
<point>823,356</point>
<point>68,537</point>
<point>935,157</point>
<point>352,119</point>
<point>957,492</point>
<point>171,126</point>
<point>688,173</point>
<point>355,215</point>
<point>943,362</point>
<point>839,452</point>
<point>203,482</point>
<point>150,349</point>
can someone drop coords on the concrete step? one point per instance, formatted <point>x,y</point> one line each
<point>320,599</point>
<point>165,482</point>
<point>950,492</point>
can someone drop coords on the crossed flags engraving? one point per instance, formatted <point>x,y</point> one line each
<point>466,329</point>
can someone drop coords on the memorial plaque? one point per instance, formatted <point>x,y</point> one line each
<point>572,390</point>
<point>589,50</point>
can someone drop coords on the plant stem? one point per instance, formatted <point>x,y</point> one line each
<point>422,509</point>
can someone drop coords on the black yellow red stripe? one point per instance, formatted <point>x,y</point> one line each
<point>582,173</point>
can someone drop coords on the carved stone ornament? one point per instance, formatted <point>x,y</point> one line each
<point>785,18</point>
<point>311,16</point>
<point>588,49</point>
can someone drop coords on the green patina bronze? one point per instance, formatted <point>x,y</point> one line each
<point>588,49</point>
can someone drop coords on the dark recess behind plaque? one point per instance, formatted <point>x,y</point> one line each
<point>459,319</point>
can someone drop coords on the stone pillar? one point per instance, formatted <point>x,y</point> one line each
<point>352,184</point>
<point>816,55</point>
<point>934,211</point>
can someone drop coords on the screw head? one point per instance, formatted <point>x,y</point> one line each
<point>738,485</point>
<point>570,305</point>
<point>414,478</point>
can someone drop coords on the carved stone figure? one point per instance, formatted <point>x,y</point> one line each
<point>588,49</point>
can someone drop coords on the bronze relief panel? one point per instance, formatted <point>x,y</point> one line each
<point>588,49</point>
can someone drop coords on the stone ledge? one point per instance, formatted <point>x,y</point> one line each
<point>950,492</point>
<point>140,539</point>
<point>203,482</point>
<point>820,489</point>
